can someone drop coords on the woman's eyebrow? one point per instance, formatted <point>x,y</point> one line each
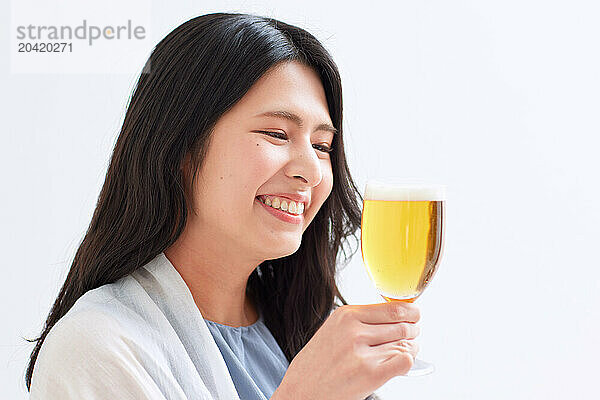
<point>297,120</point>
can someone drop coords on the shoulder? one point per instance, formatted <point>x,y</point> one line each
<point>88,353</point>
<point>78,338</point>
<point>103,321</point>
<point>85,330</point>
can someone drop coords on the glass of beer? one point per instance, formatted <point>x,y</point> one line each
<point>402,239</point>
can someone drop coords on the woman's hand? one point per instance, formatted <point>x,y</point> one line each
<point>356,350</point>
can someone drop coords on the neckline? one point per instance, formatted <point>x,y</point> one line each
<point>181,282</point>
<point>241,328</point>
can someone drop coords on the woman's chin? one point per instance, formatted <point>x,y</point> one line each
<point>284,249</point>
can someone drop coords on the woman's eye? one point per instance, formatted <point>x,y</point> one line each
<point>279,135</point>
<point>325,149</point>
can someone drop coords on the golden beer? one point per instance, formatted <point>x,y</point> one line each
<point>402,237</point>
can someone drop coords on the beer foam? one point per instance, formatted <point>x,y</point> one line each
<point>375,190</point>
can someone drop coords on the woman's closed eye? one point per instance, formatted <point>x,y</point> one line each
<point>283,136</point>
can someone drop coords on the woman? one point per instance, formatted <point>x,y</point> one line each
<point>208,270</point>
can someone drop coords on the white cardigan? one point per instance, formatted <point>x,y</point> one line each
<point>142,337</point>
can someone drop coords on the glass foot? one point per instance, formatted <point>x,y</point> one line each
<point>420,368</point>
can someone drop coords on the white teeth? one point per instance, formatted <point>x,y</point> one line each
<point>291,207</point>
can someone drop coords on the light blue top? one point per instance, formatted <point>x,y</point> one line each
<point>255,361</point>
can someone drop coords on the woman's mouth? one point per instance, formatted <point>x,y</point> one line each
<point>281,209</point>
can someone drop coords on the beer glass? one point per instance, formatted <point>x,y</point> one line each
<point>402,238</point>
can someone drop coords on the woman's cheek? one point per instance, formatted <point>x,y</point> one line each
<point>326,185</point>
<point>268,157</point>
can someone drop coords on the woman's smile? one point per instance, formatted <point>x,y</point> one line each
<point>280,214</point>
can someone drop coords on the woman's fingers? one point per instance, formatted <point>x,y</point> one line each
<point>339,362</point>
<point>393,349</point>
<point>383,333</point>
<point>386,313</point>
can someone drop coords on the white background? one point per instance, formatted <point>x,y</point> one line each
<point>497,99</point>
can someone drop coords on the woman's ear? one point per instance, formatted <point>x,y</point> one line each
<point>186,176</point>
<point>185,163</point>
<point>185,168</point>
<point>186,173</point>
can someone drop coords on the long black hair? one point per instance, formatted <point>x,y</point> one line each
<point>193,76</point>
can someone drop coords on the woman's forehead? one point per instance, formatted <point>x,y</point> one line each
<point>293,88</point>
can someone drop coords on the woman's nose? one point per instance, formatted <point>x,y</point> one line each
<point>305,164</point>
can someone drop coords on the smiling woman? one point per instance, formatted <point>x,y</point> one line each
<point>242,163</point>
<point>208,269</point>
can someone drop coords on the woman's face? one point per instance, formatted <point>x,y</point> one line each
<point>243,162</point>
